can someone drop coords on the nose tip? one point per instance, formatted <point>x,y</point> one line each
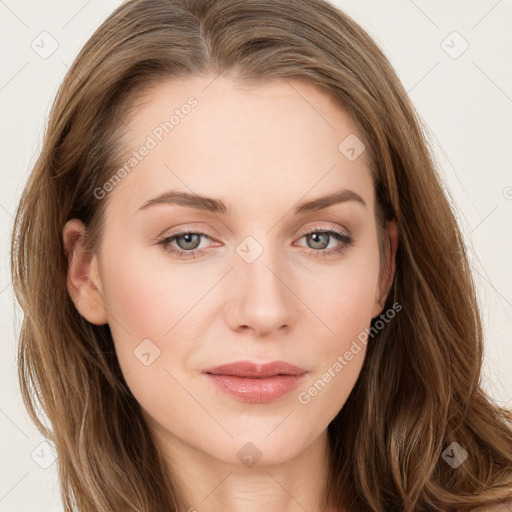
<point>261,302</point>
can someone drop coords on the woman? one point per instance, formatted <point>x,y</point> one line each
<point>242,281</point>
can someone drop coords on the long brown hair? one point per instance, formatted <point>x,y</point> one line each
<point>419,388</point>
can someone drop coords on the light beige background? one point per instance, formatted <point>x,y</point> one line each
<point>464,97</point>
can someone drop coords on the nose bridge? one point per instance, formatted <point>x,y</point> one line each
<point>261,299</point>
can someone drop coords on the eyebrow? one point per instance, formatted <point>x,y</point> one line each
<point>217,206</point>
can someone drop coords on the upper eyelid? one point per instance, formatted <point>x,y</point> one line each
<point>202,231</point>
<point>309,231</point>
<point>206,234</point>
<point>315,228</point>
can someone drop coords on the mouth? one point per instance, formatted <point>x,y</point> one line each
<point>256,383</point>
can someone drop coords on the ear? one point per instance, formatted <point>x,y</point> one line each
<point>387,272</point>
<point>83,278</point>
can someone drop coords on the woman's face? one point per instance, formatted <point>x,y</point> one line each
<point>258,280</point>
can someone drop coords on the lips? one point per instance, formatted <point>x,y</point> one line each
<point>254,370</point>
<point>256,383</point>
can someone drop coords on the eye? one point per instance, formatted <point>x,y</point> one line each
<point>319,239</point>
<point>187,242</point>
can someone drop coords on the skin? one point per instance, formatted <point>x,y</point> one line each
<point>261,150</point>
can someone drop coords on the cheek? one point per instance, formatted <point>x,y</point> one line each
<point>146,295</point>
<point>340,356</point>
<point>346,307</point>
<point>151,309</point>
<point>144,302</point>
<point>344,296</point>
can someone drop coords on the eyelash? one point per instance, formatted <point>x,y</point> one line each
<point>346,240</point>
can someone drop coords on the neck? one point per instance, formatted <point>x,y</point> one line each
<point>208,484</point>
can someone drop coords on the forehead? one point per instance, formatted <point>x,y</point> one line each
<point>230,98</point>
<point>220,136</point>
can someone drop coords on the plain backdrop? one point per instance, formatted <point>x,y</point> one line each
<point>453,58</point>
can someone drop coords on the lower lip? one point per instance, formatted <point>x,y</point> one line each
<point>257,391</point>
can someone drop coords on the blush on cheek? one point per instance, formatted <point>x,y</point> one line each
<point>348,308</point>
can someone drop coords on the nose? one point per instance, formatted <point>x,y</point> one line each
<point>262,300</point>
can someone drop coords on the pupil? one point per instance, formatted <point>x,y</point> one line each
<point>317,239</point>
<point>188,238</point>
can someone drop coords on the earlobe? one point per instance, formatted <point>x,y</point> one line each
<point>83,277</point>
<point>388,269</point>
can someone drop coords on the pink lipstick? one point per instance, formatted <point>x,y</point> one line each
<point>256,383</point>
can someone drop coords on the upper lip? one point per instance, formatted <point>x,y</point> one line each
<point>256,370</point>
